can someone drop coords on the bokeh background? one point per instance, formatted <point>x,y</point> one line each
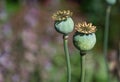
<point>32,51</point>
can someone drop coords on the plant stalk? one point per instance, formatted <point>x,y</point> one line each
<point>65,37</point>
<point>82,67</point>
<point>106,33</point>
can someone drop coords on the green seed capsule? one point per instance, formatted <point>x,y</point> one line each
<point>111,2</point>
<point>84,42</point>
<point>64,27</point>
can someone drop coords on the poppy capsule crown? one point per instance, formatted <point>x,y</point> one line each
<point>85,28</point>
<point>62,15</point>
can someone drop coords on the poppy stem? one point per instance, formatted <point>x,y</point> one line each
<point>106,33</point>
<point>82,66</point>
<point>65,37</point>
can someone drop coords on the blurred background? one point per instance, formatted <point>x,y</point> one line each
<point>32,51</point>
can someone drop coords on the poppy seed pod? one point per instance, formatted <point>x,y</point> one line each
<point>84,39</point>
<point>64,27</point>
<point>63,22</point>
<point>84,42</point>
<point>111,2</point>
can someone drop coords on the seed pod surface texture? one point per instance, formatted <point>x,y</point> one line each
<point>84,42</point>
<point>64,27</point>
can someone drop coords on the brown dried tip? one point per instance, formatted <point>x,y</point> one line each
<point>85,28</point>
<point>62,15</point>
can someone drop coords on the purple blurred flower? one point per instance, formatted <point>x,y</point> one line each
<point>29,39</point>
<point>6,62</point>
<point>7,31</point>
<point>32,17</point>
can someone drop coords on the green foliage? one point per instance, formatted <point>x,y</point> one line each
<point>93,9</point>
<point>101,75</point>
<point>12,6</point>
<point>35,77</point>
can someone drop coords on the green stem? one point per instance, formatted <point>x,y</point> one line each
<point>82,67</point>
<point>119,51</point>
<point>67,58</point>
<point>118,59</point>
<point>106,33</point>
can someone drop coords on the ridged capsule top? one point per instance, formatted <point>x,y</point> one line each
<point>85,28</point>
<point>62,15</point>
